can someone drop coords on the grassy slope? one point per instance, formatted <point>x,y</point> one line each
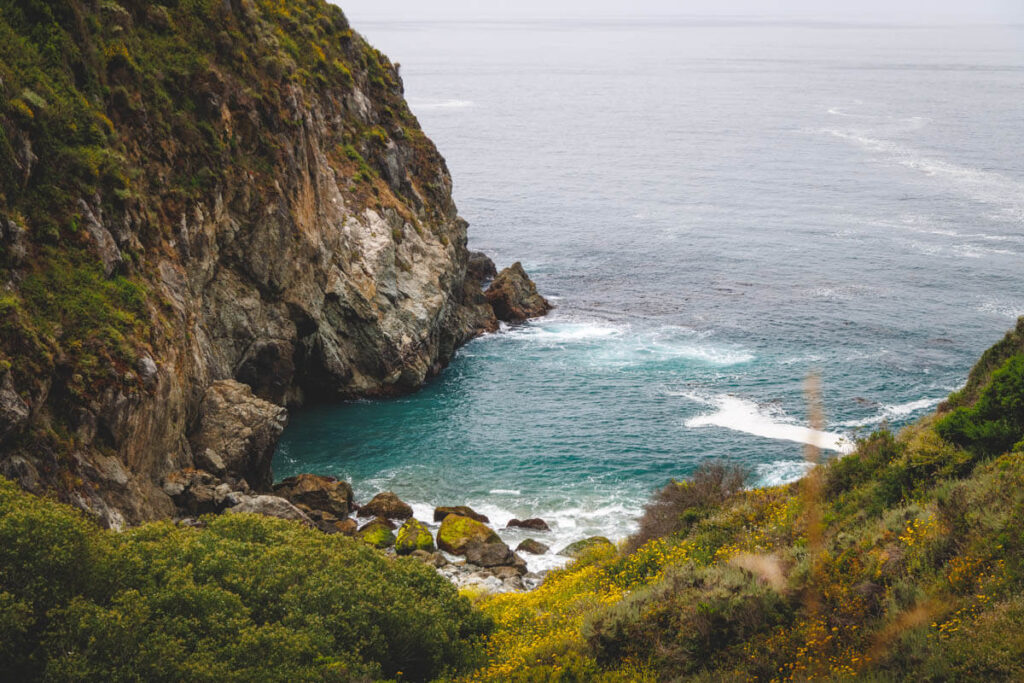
<point>917,574</point>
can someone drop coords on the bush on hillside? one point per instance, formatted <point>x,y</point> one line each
<point>994,424</point>
<point>678,505</point>
<point>246,598</point>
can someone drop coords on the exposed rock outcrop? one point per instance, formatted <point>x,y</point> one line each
<point>480,267</point>
<point>14,412</point>
<point>241,429</point>
<point>514,296</point>
<point>271,506</point>
<point>320,493</point>
<point>281,223</point>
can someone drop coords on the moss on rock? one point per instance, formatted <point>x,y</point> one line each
<point>457,532</point>
<point>377,534</point>
<point>581,547</point>
<point>414,535</point>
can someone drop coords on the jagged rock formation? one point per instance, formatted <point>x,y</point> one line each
<point>514,296</point>
<point>196,193</point>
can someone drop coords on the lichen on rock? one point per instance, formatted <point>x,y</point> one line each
<point>378,534</point>
<point>413,535</point>
<point>457,532</point>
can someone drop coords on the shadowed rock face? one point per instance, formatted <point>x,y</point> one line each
<point>514,297</point>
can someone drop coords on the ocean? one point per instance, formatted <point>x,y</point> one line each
<point>718,208</point>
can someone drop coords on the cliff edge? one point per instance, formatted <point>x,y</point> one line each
<point>199,192</point>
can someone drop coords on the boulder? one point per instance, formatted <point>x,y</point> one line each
<point>241,428</point>
<point>377,534</point>
<point>495,554</point>
<point>270,506</point>
<point>514,297</point>
<point>414,536</point>
<point>584,546</point>
<point>441,512</point>
<point>534,523</point>
<point>196,492</point>
<point>533,547</point>
<point>317,493</point>
<point>480,267</point>
<point>328,523</point>
<point>457,532</point>
<point>387,505</point>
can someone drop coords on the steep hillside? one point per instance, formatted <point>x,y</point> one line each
<point>203,190</point>
<point>901,561</point>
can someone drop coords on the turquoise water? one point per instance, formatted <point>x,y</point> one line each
<point>717,208</point>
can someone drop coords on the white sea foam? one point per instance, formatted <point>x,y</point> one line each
<point>511,492</point>
<point>742,415</point>
<point>780,472</point>
<point>559,333</point>
<point>985,186</point>
<point>1006,309</point>
<point>895,412</point>
<point>621,345</point>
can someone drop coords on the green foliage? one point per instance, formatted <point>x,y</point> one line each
<point>677,506</point>
<point>246,598</point>
<point>692,614</point>
<point>994,423</point>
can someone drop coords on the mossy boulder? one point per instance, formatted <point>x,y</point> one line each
<point>586,545</point>
<point>414,535</point>
<point>457,532</point>
<point>377,534</point>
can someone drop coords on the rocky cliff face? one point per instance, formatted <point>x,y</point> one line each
<point>205,191</point>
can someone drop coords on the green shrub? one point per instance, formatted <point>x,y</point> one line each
<point>245,598</point>
<point>995,422</point>
<point>677,506</point>
<point>681,623</point>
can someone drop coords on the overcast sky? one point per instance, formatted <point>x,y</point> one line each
<point>925,11</point>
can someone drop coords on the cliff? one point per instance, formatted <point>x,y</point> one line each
<point>193,192</point>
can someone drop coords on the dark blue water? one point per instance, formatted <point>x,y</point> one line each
<point>717,208</point>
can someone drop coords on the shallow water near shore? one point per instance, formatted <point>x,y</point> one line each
<point>717,209</point>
